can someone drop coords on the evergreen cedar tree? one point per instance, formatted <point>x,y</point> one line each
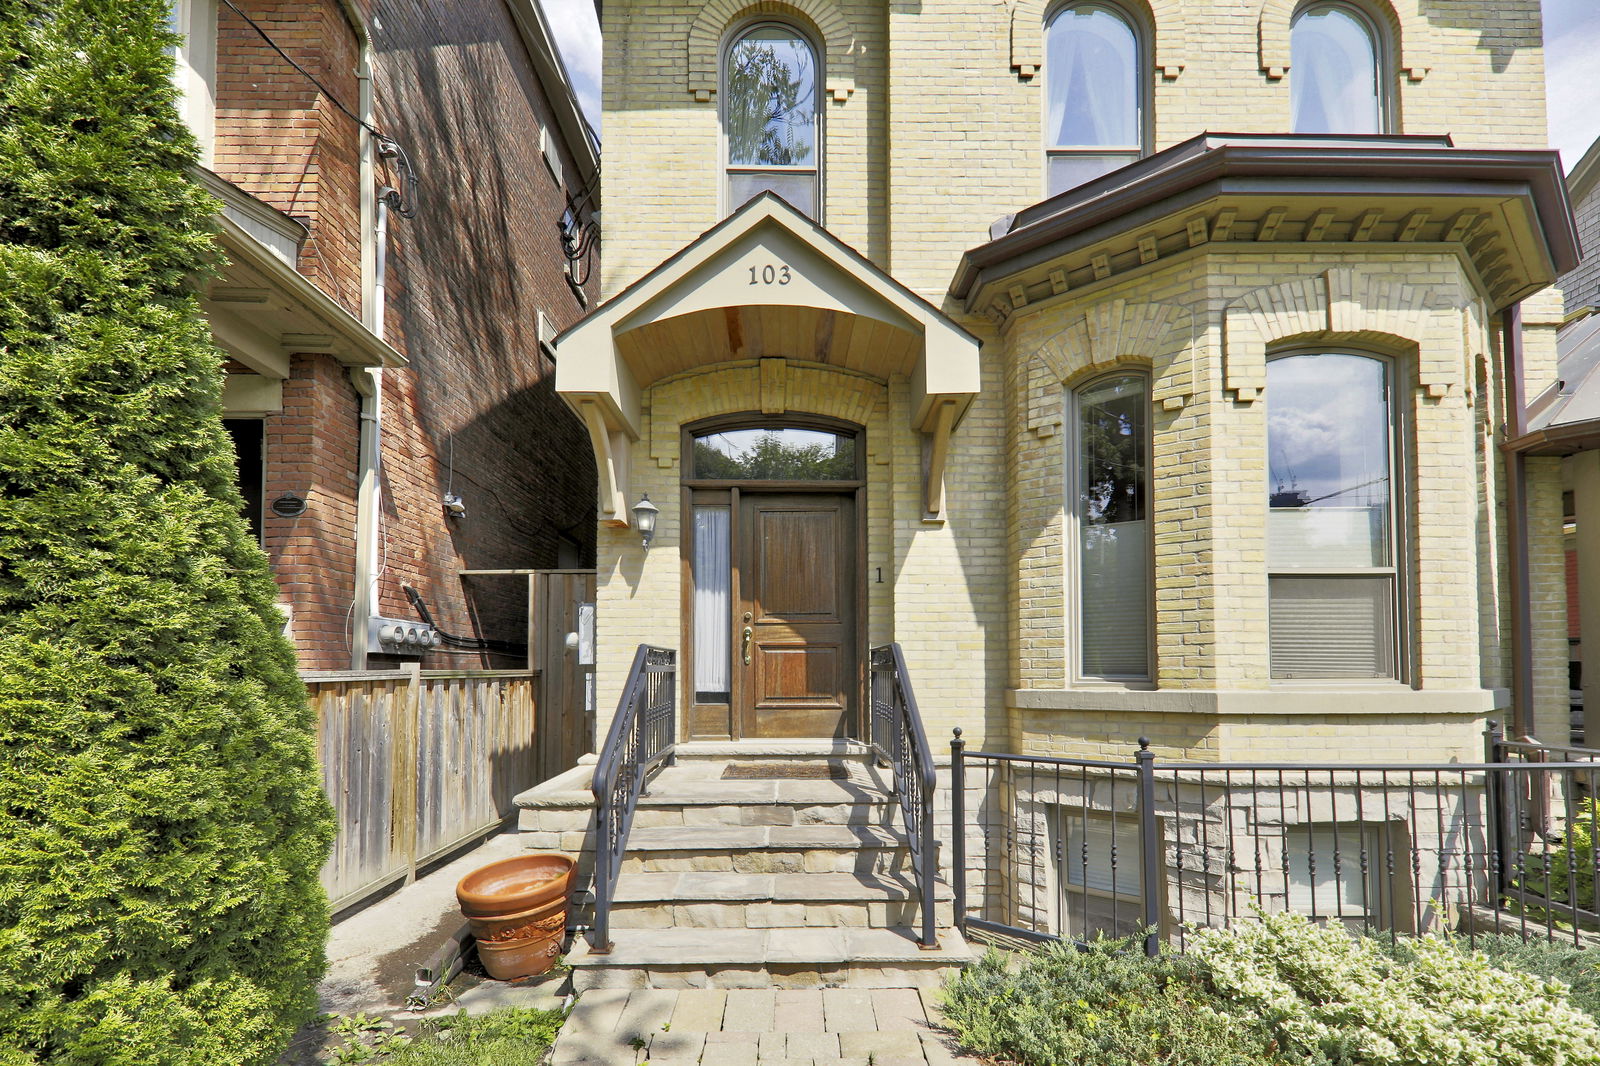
<point>161,825</point>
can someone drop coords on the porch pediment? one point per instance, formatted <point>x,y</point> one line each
<point>766,282</point>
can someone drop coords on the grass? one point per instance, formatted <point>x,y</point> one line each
<point>510,1036</point>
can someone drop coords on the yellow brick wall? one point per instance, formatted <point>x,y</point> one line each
<point>942,595</point>
<point>938,137</point>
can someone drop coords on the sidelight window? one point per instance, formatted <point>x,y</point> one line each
<point>1331,529</point>
<point>712,563</point>
<point>770,117</point>
<point>1093,94</point>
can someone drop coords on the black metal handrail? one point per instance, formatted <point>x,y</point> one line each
<point>642,737</point>
<point>899,740</point>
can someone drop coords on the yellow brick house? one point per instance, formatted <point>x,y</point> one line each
<point>1139,367</point>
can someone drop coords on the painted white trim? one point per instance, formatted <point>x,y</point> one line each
<point>1379,699</point>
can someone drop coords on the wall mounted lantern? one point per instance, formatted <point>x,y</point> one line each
<point>644,519</point>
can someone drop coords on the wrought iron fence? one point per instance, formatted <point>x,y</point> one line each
<point>641,738</point>
<point>899,739</point>
<point>1048,848</point>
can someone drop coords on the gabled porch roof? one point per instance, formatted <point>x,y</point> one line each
<point>766,281</point>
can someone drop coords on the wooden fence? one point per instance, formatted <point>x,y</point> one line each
<point>417,762</point>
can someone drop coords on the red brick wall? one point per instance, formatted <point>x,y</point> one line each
<point>311,452</point>
<point>280,139</point>
<point>467,278</point>
<point>1573,629</point>
<point>476,410</point>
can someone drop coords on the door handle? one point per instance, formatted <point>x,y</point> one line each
<point>748,635</point>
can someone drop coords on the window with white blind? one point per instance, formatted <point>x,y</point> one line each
<point>1109,512</point>
<point>1333,587</point>
<point>1094,94</point>
<point>1332,869</point>
<point>1334,82</point>
<point>1098,883</point>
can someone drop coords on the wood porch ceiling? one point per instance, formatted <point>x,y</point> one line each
<point>838,339</point>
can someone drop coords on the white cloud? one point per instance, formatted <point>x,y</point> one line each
<point>578,36</point>
<point>1572,40</point>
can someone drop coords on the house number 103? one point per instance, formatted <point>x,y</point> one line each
<point>770,275</point>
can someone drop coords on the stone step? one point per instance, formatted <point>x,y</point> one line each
<point>696,794</point>
<point>684,796</point>
<point>767,958</point>
<point>761,901</point>
<point>766,849</point>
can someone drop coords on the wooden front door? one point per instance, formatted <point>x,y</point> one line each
<point>795,669</point>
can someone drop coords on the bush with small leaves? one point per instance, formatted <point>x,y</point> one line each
<point>161,825</point>
<point>1107,1006</point>
<point>1415,1002</point>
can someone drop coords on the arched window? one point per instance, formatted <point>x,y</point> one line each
<point>1094,108</point>
<point>770,116</point>
<point>1331,529</point>
<point>1333,71</point>
<point>1110,513</point>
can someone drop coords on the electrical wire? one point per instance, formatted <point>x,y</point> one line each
<point>477,643</point>
<point>404,204</point>
<point>312,78</point>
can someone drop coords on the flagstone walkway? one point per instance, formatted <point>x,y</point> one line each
<point>741,1027</point>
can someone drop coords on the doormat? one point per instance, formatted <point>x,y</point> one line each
<point>777,771</point>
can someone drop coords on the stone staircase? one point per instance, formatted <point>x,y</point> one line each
<point>786,882</point>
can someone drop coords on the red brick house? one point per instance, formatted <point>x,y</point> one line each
<point>396,267</point>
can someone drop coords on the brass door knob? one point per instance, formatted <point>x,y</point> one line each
<point>749,634</point>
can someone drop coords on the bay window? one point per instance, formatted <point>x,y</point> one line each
<point>1109,511</point>
<point>1331,528</point>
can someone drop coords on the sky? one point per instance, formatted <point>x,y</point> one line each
<point>1572,43</point>
<point>578,36</point>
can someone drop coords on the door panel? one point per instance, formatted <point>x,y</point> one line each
<point>794,623</point>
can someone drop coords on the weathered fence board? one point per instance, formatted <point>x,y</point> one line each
<point>417,762</point>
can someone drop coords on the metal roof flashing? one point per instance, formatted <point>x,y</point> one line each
<point>1301,176</point>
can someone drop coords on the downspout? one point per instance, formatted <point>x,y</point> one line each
<point>368,382</point>
<point>1517,525</point>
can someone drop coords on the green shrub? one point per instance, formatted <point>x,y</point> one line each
<point>161,827</point>
<point>1108,1006</point>
<point>511,1036</point>
<point>1577,968</point>
<point>1418,1002</point>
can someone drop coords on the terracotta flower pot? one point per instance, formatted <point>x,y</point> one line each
<point>545,920</point>
<point>518,911</point>
<point>515,885</point>
<point>519,958</point>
